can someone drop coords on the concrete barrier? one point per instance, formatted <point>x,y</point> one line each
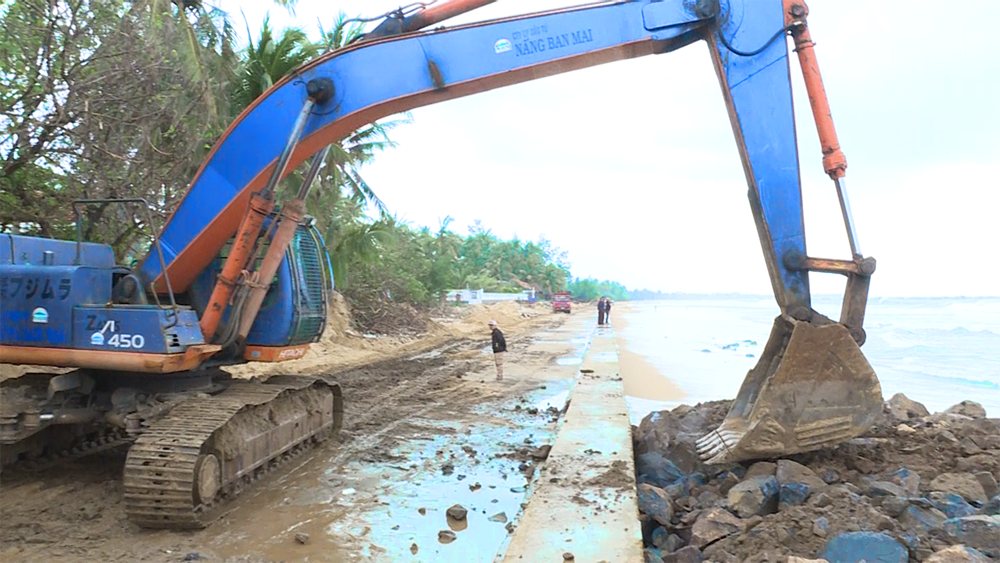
<point>584,502</point>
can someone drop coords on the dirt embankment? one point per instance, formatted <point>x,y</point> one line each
<point>915,485</point>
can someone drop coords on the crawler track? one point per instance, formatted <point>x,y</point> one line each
<point>186,468</point>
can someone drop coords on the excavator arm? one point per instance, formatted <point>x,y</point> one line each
<point>812,386</point>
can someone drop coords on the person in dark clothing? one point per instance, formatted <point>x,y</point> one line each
<point>499,349</point>
<point>607,310</point>
<point>600,311</point>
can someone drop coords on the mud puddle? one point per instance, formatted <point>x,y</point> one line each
<point>390,502</point>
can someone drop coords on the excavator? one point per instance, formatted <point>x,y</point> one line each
<point>236,276</point>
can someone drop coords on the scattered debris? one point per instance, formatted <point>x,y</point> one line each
<point>302,538</point>
<point>456,512</point>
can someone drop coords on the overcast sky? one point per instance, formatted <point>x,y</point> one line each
<point>632,168</point>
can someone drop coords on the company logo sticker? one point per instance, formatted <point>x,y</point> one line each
<point>40,315</point>
<point>502,46</point>
<point>97,339</point>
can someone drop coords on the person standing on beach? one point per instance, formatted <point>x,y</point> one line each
<point>607,310</point>
<point>499,349</point>
<point>600,311</point>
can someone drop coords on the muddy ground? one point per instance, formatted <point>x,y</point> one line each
<point>423,431</point>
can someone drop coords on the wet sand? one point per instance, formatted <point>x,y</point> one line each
<point>642,379</point>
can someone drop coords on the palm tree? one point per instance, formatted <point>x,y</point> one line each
<point>268,61</point>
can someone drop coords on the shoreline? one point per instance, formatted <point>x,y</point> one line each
<point>642,379</point>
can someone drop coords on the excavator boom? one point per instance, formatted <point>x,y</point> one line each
<point>228,240</point>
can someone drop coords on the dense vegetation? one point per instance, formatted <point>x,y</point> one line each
<point>122,98</point>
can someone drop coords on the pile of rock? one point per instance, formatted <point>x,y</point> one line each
<point>918,487</point>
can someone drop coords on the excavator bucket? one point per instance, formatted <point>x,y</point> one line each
<point>811,389</point>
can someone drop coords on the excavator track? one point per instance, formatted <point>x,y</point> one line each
<point>184,471</point>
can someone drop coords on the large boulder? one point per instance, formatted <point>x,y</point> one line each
<point>901,409</point>
<point>655,502</point>
<point>712,525</point>
<point>872,547</point>
<point>754,496</point>
<point>673,433</point>
<point>963,484</point>
<point>957,554</point>
<point>978,532</point>
<point>654,469</point>
<point>788,471</point>
<point>970,409</point>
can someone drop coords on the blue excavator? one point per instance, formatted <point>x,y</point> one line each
<point>235,276</point>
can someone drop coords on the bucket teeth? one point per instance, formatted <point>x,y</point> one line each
<point>812,388</point>
<point>717,444</point>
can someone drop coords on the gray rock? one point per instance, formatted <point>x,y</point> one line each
<point>902,409</point>
<point>727,482</point>
<point>830,476</point>
<point>674,542</point>
<point>947,420</point>
<point>656,470</point>
<point>446,536</point>
<point>659,538</point>
<point>788,472</point>
<point>920,520</point>
<point>854,547</point>
<point>894,506</point>
<point>992,507</point>
<point>978,532</point>
<point>652,555</point>
<point>821,527</point>
<point>756,495</point>
<point>712,525</point>
<point>988,482</point>
<point>655,502</point>
<point>793,494</point>
<point>456,512</point>
<point>970,409</point>
<point>951,504</point>
<point>885,489</point>
<point>965,485</point>
<point>302,538</point>
<point>761,469</point>
<point>909,480</point>
<point>957,554</point>
<point>500,517</point>
<point>568,556</point>
<point>689,554</point>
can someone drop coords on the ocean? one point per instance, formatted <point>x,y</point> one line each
<point>938,351</point>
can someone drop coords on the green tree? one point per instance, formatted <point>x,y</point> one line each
<point>105,100</point>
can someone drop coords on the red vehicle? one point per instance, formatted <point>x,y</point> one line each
<point>561,302</point>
